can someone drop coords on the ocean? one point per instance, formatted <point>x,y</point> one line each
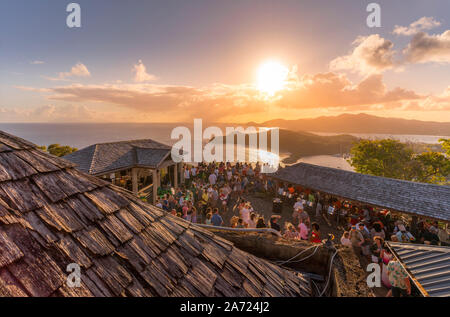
<point>80,135</point>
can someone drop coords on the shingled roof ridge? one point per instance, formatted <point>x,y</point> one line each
<point>91,166</point>
<point>422,199</point>
<point>58,215</point>
<point>24,143</point>
<point>131,141</point>
<point>367,175</point>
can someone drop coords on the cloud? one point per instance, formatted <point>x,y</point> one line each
<point>52,113</point>
<point>424,23</point>
<point>141,74</point>
<point>78,70</point>
<point>371,54</point>
<point>118,101</point>
<point>220,102</point>
<point>37,62</point>
<point>26,88</point>
<point>171,102</point>
<point>425,48</point>
<point>331,90</point>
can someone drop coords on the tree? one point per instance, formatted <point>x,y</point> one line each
<point>431,167</point>
<point>387,158</point>
<point>58,150</point>
<point>393,159</point>
<point>445,145</point>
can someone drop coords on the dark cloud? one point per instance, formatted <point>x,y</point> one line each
<point>425,48</point>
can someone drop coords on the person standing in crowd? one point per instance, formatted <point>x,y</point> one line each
<point>212,179</point>
<point>376,248</point>
<point>365,246</point>
<point>386,256</point>
<point>318,208</point>
<point>377,231</point>
<point>315,234</point>
<point>260,223</point>
<point>290,232</point>
<point>304,230</point>
<point>403,235</point>
<point>252,221</point>
<point>208,219</point>
<point>234,221</point>
<point>399,279</point>
<point>187,175</point>
<point>357,240</point>
<point>345,239</point>
<point>274,224</point>
<point>245,213</point>
<point>216,219</point>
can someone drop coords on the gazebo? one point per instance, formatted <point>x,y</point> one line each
<point>137,165</point>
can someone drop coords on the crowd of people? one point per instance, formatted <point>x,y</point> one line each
<point>365,229</point>
<point>214,191</point>
<point>211,191</point>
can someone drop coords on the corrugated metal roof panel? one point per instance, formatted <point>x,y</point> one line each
<point>428,265</point>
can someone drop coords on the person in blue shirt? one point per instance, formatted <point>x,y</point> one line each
<point>216,219</point>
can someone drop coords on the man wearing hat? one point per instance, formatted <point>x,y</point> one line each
<point>403,235</point>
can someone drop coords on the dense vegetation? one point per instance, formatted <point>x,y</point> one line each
<point>58,150</point>
<point>394,159</point>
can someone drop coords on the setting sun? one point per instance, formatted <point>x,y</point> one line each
<point>271,77</point>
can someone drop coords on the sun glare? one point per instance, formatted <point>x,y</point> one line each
<point>271,77</point>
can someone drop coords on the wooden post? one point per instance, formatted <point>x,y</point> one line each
<point>182,173</point>
<point>155,185</point>
<point>175,175</point>
<point>158,177</point>
<point>134,179</point>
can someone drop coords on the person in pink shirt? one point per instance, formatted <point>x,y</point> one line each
<point>304,230</point>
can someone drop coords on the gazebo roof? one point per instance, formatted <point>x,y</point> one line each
<point>107,157</point>
<point>411,197</point>
<point>52,215</point>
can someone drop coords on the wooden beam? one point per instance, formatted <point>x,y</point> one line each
<point>155,185</point>
<point>134,179</point>
<point>175,175</point>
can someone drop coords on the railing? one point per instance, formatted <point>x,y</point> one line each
<point>258,230</point>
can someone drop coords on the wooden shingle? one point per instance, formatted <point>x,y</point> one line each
<point>52,215</point>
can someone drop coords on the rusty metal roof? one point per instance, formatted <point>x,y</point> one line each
<point>428,266</point>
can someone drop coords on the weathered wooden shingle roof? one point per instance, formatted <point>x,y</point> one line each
<point>416,198</point>
<point>428,265</point>
<point>106,157</point>
<point>52,215</point>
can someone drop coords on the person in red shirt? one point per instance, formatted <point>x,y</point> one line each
<point>315,234</point>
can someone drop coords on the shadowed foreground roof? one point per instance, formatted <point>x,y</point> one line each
<point>106,157</point>
<point>416,198</point>
<point>52,215</point>
<point>428,265</point>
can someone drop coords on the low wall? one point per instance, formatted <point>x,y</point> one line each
<point>348,279</point>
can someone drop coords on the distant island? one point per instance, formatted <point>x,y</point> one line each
<point>295,145</point>
<point>361,123</point>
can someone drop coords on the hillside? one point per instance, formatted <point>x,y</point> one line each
<point>300,144</point>
<point>362,123</point>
